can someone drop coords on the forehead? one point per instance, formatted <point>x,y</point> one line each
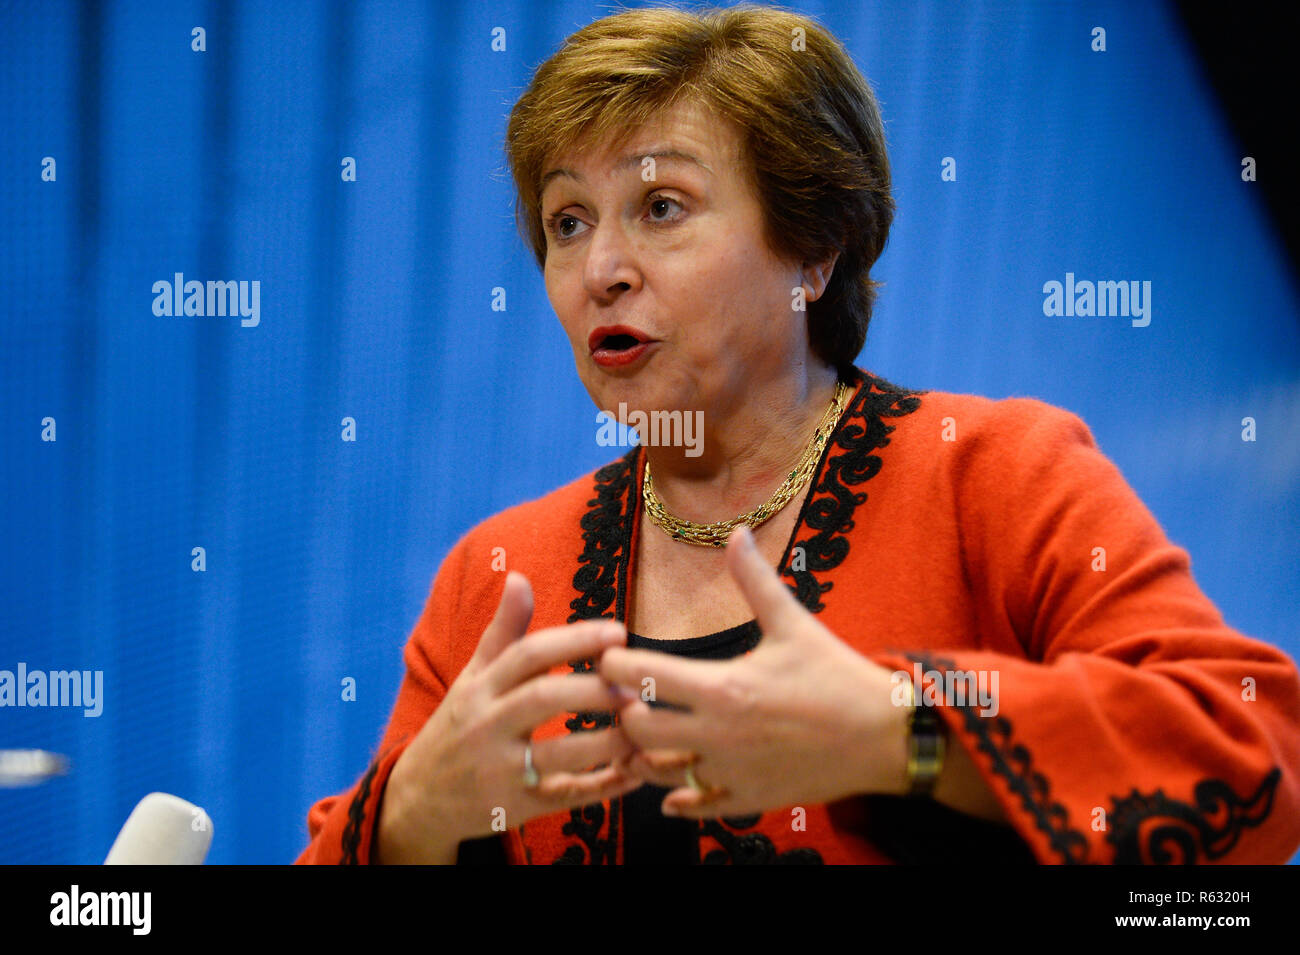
<point>685,135</point>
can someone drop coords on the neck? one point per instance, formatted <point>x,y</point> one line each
<point>752,438</point>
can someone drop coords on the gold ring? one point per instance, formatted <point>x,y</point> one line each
<point>692,781</point>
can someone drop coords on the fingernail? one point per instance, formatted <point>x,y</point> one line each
<point>671,811</point>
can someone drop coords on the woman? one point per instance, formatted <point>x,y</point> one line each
<point>974,636</point>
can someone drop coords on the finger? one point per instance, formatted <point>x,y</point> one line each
<point>666,768</point>
<point>692,804</point>
<point>514,610</point>
<point>577,752</point>
<point>535,702</point>
<point>542,650</point>
<point>774,605</point>
<point>571,791</point>
<point>651,676</point>
<point>657,728</point>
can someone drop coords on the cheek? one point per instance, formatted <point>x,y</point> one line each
<point>551,284</point>
<point>738,290</point>
<point>560,299</point>
<point>742,276</point>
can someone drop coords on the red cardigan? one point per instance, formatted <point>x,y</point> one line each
<point>958,533</point>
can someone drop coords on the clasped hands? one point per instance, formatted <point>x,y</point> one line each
<point>802,719</point>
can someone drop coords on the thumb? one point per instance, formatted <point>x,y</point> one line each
<point>773,604</point>
<point>514,611</point>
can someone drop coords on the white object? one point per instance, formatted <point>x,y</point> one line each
<point>163,830</point>
<point>29,767</point>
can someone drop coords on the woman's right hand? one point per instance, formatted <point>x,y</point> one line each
<point>467,762</point>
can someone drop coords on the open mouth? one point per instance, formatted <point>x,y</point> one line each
<point>614,346</point>
<point>618,343</point>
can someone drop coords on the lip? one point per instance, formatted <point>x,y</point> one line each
<point>608,358</point>
<point>600,334</point>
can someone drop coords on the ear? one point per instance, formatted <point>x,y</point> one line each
<point>817,275</point>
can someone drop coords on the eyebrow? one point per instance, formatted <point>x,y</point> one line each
<point>634,159</point>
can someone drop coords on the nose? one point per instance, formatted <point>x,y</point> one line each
<point>610,266</point>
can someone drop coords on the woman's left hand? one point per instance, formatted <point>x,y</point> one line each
<point>803,718</point>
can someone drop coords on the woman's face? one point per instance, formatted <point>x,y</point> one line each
<point>663,238</point>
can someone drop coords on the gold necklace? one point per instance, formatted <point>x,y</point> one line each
<point>715,534</point>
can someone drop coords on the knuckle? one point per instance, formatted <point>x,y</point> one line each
<point>454,716</point>
<point>455,711</point>
<point>563,791</point>
<point>535,694</point>
<point>632,719</point>
<point>611,660</point>
<point>737,694</point>
<point>529,654</point>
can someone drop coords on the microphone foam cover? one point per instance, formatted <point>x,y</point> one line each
<point>162,830</point>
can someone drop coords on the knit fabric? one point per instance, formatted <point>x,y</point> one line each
<point>952,536</point>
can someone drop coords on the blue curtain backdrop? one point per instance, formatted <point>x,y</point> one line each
<point>224,686</point>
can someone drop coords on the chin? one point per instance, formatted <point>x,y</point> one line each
<point>630,394</point>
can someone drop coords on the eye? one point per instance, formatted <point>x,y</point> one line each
<point>555,224</point>
<point>656,201</point>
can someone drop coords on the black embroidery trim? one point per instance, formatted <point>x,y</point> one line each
<point>357,815</point>
<point>751,848</point>
<point>829,509</point>
<point>1184,824</point>
<point>586,824</point>
<point>1014,763</point>
<point>606,534</point>
<point>601,580</point>
<point>1187,828</point>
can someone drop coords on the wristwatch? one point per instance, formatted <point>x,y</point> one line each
<point>925,747</point>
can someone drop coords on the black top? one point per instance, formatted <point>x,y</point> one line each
<point>650,837</point>
<point>723,645</point>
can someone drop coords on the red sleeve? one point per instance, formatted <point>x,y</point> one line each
<point>1130,723</point>
<point>342,827</point>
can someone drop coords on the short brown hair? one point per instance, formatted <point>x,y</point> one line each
<point>814,140</point>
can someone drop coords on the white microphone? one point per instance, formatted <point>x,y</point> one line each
<point>163,830</point>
